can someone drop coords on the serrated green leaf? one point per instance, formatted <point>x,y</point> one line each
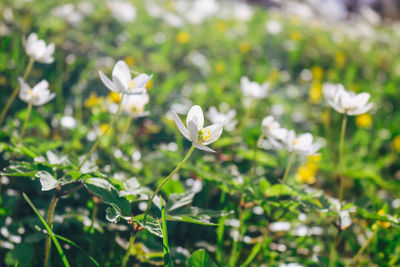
<point>201,258</point>
<point>176,201</point>
<point>19,169</point>
<point>109,194</point>
<point>47,181</point>
<point>151,224</point>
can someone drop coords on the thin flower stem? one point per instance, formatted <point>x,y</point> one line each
<point>253,163</point>
<point>125,130</point>
<point>289,165</point>
<point>49,221</point>
<point>28,114</point>
<point>15,93</point>
<point>128,250</point>
<point>355,259</point>
<point>103,134</point>
<point>341,144</point>
<point>166,180</point>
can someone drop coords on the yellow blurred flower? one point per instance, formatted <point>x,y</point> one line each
<point>314,158</point>
<point>274,75</point>
<point>244,47</point>
<point>103,128</point>
<point>364,121</point>
<point>182,37</point>
<point>340,58</point>
<point>130,61</point>
<point>295,35</point>
<point>149,85</point>
<point>305,174</point>
<point>3,80</point>
<point>114,97</point>
<point>93,100</point>
<point>219,67</point>
<point>326,116</point>
<point>381,212</point>
<point>317,72</point>
<point>396,143</point>
<point>315,92</point>
<point>221,26</point>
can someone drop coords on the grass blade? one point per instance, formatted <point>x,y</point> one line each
<point>53,237</point>
<point>167,259</point>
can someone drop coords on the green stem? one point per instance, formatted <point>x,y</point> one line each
<point>15,93</point>
<point>167,260</point>
<point>236,248</point>
<point>289,165</point>
<point>128,250</point>
<point>341,144</point>
<point>103,134</point>
<point>94,215</point>
<point>166,180</point>
<point>364,247</point>
<point>126,128</point>
<point>253,163</point>
<point>28,114</point>
<point>49,221</point>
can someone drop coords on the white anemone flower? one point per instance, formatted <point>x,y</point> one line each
<point>122,81</point>
<point>302,144</point>
<point>199,136</point>
<point>122,11</point>
<point>37,50</point>
<point>38,95</point>
<point>253,89</point>
<point>272,129</point>
<point>346,102</point>
<point>225,119</point>
<point>134,105</point>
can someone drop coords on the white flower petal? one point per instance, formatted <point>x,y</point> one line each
<point>107,82</point>
<point>205,148</point>
<point>195,115</point>
<point>180,126</point>
<point>193,132</point>
<point>122,72</point>
<point>215,133</point>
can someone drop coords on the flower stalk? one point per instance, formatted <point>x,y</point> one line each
<point>341,144</point>
<point>128,250</point>
<point>16,91</point>
<point>166,180</point>
<point>49,221</point>
<point>28,114</point>
<point>289,165</point>
<point>103,134</point>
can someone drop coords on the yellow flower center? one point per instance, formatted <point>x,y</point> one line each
<point>204,135</point>
<point>30,93</point>
<point>295,142</point>
<point>131,85</point>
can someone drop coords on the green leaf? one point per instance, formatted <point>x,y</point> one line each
<point>109,194</point>
<point>151,224</point>
<point>22,255</point>
<point>19,169</point>
<point>47,181</point>
<point>195,215</point>
<point>201,258</point>
<point>176,201</point>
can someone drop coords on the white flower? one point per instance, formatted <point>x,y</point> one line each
<point>346,102</point>
<point>122,11</point>
<point>134,105</point>
<point>199,136</point>
<point>38,95</point>
<point>225,119</point>
<point>272,129</point>
<point>303,144</point>
<point>273,132</point>
<point>122,81</point>
<point>37,49</point>
<point>253,89</point>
